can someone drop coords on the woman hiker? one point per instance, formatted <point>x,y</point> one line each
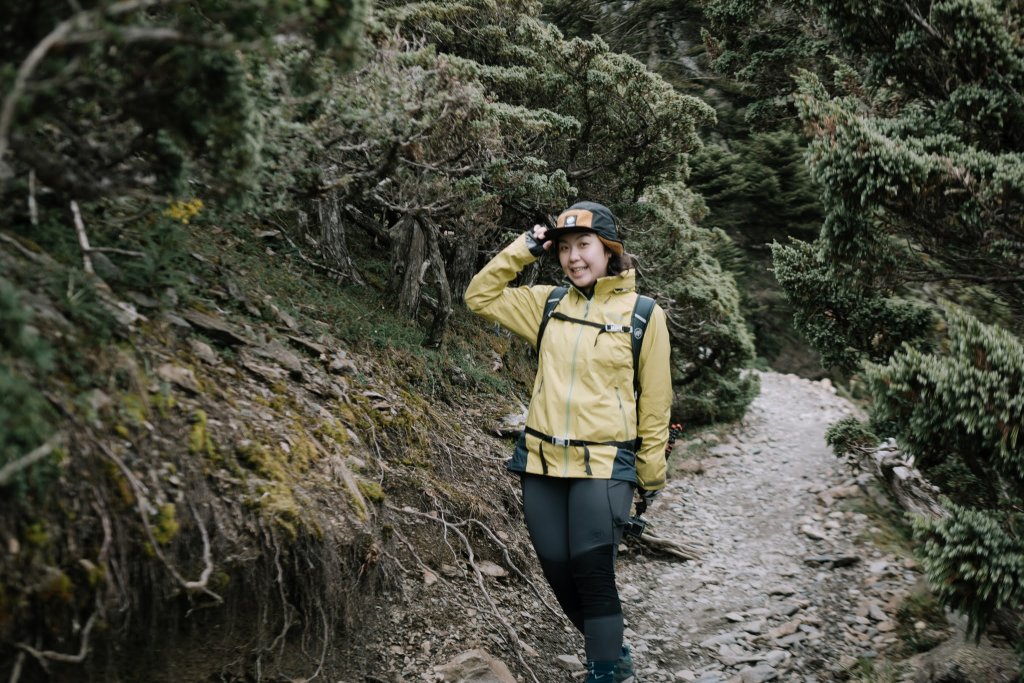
<point>589,441</point>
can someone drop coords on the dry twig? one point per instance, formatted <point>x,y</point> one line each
<point>83,239</point>
<point>515,640</point>
<point>8,471</point>
<point>508,560</point>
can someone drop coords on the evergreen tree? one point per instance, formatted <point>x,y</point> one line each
<point>919,159</point>
<point>137,98</point>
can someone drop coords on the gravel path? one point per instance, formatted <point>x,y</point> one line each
<point>791,585</point>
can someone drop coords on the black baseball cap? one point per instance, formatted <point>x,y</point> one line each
<point>589,217</point>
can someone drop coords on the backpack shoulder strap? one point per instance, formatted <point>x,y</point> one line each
<point>549,307</point>
<point>642,310</point>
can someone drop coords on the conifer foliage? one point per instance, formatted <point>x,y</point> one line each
<point>919,155</point>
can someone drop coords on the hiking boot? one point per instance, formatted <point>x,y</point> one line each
<point>624,667</point>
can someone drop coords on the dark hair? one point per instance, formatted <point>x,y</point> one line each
<point>619,263</point>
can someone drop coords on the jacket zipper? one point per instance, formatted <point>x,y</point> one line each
<point>622,411</point>
<point>572,383</point>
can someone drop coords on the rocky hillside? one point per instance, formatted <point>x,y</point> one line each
<point>262,475</point>
<point>259,474</point>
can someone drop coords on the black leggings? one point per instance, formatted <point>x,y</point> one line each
<point>576,526</point>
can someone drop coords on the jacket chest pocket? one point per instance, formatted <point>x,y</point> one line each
<point>611,356</point>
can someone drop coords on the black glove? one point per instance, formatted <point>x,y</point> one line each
<point>646,499</point>
<point>536,248</point>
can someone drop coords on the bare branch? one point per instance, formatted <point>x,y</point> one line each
<point>340,274</point>
<point>10,469</point>
<point>33,209</point>
<point>143,34</point>
<point>81,20</point>
<point>16,670</point>
<point>83,238</point>
<point>923,23</point>
<point>115,250</point>
<point>21,80</point>
<point>42,656</point>
<point>510,563</point>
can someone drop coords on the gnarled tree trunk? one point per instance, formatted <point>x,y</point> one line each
<point>443,310</point>
<point>408,263</point>
<point>333,243</point>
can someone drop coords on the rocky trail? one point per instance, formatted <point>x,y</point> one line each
<point>791,584</point>
<point>802,577</point>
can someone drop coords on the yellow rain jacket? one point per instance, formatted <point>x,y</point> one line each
<point>584,385</point>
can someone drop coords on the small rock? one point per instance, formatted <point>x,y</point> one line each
<point>714,641</point>
<point>342,365</point>
<point>204,352</point>
<point>488,568</point>
<point>813,532</point>
<point>177,375</point>
<point>474,666</point>
<point>758,674</point>
<point>98,400</point>
<point>789,641</point>
<point>570,663</point>
<point>275,351</point>
<point>684,676</point>
<point>753,627</point>
<point>142,300</point>
<point>215,328</point>
<point>691,467</point>
<point>786,629</point>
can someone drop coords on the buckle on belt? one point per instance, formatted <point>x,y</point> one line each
<point>559,441</point>
<point>612,327</point>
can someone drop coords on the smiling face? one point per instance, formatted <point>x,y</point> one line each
<point>584,258</point>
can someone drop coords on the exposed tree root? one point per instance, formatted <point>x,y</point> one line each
<point>46,656</point>
<point>667,546</point>
<point>508,560</point>
<point>454,528</point>
<point>191,587</point>
<point>16,670</point>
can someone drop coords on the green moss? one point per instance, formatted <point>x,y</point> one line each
<point>279,502</point>
<point>121,484</point>
<point>333,431</point>
<point>262,460</point>
<point>372,491</point>
<point>199,442</point>
<point>167,526</point>
<point>164,402</point>
<point>304,452</point>
<point>94,574</point>
<point>57,587</point>
<point>36,535</point>
<point>219,580</point>
<point>135,408</point>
